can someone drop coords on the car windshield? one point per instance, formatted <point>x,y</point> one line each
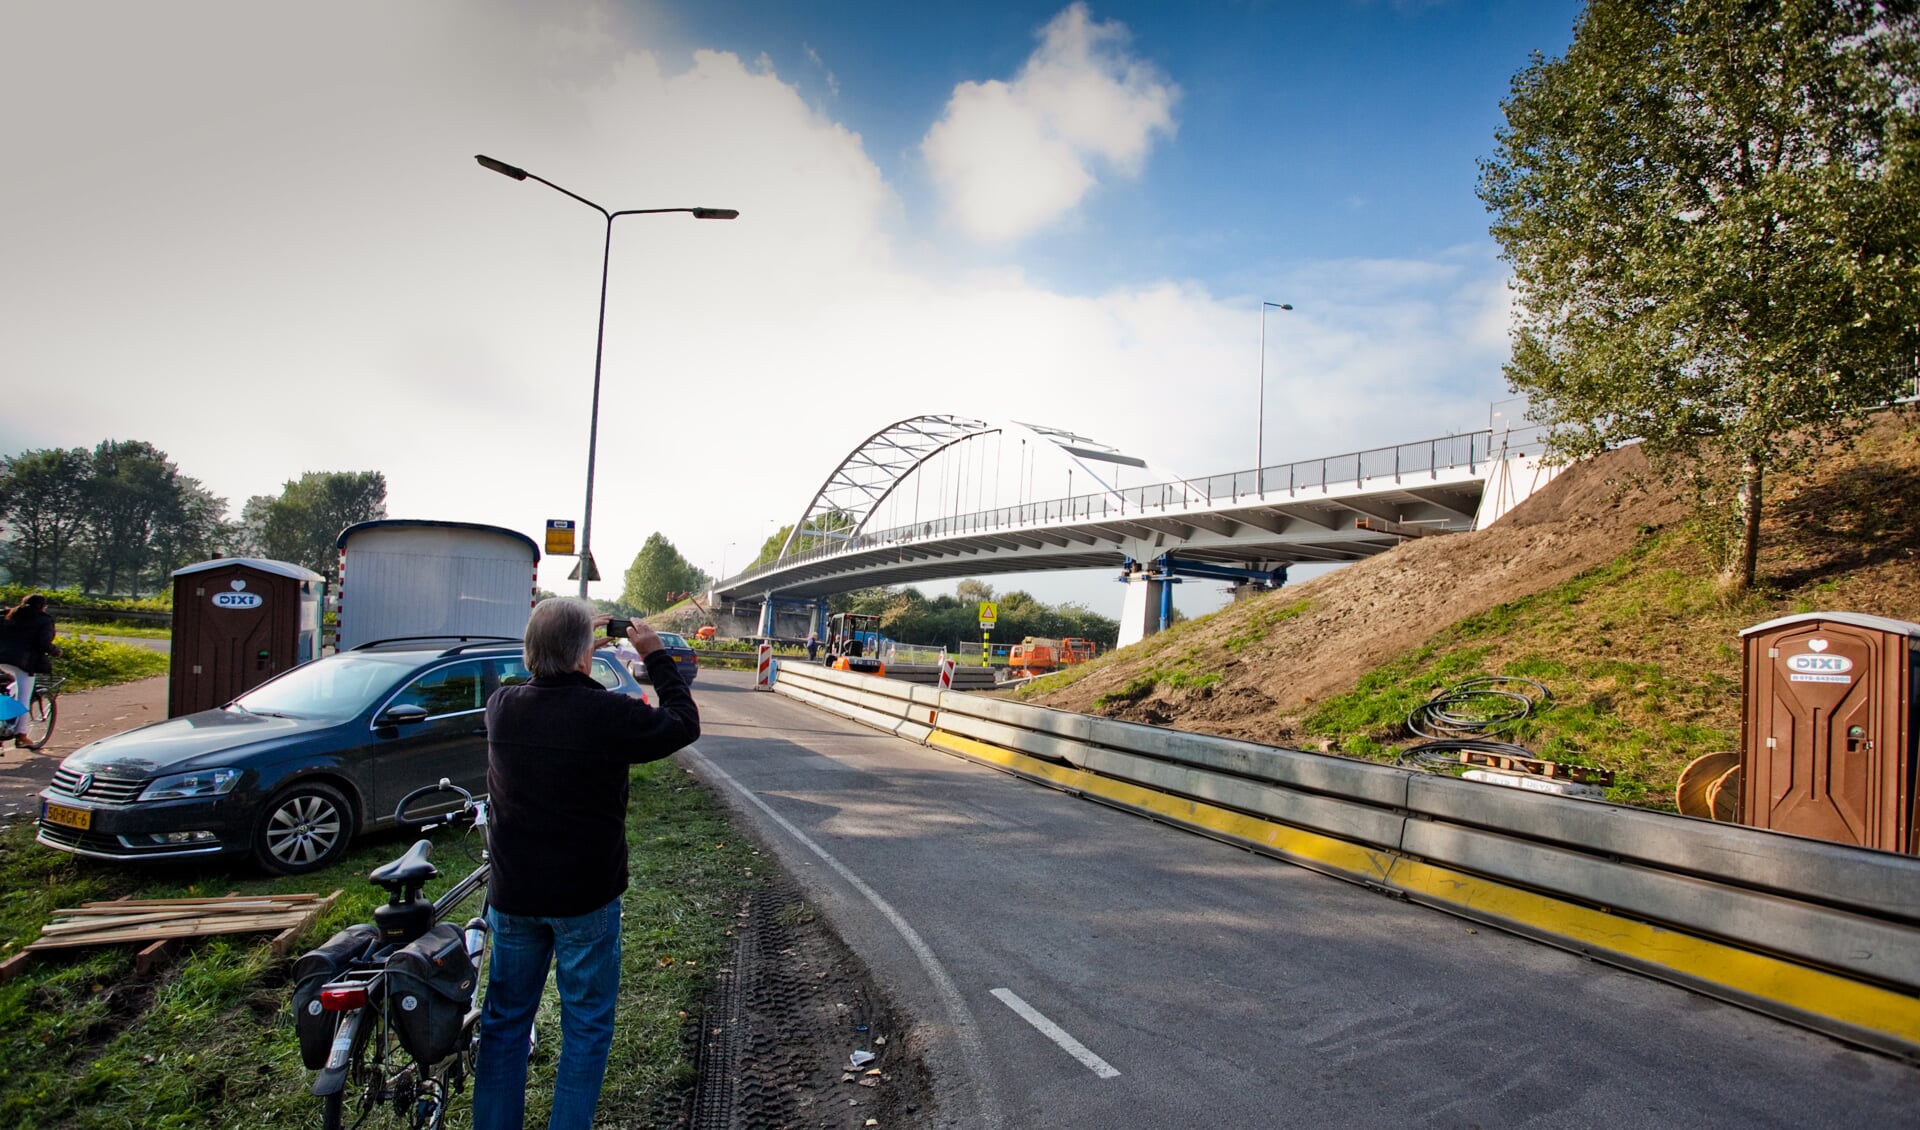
<point>670,639</point>
<point>334,688</point>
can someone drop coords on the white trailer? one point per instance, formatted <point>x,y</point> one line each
<point>405,577</point>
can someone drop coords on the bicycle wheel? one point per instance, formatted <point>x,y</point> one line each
<point>330,1111</point>
<point>37,725</point>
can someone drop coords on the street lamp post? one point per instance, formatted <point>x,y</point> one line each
<point>1260,425</point>
<point>600,338</point>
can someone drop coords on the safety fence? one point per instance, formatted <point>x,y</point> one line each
<point>1819,934</point>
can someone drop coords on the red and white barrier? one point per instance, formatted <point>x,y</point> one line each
<point>947,664</point>
<point>763,681</point>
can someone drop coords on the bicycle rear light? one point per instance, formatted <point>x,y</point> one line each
<point>343,998</point>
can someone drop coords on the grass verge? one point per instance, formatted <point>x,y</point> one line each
<point>207,1041</point>
<point>102,663</point>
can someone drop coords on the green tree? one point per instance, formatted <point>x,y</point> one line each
<point>1712,210</point>
<point>133,494</point>
<point>43,502</point>
<point>659,576</point>
<point>194,530</point>
<point>304,522</point>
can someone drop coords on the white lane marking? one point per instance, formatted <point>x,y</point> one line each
<point>965,1032</point>
<point>1057,1034</point>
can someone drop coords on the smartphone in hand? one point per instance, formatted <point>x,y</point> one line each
<point>618,628</point>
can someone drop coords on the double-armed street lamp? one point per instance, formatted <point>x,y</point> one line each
<point>1260,442</point>
<point>593,427</point>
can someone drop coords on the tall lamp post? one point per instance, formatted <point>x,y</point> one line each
<point>1260,425</point>
<point>599,343</point>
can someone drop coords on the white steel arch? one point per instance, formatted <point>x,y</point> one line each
<point>871,472</point>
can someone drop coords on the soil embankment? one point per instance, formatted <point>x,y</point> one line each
<point>1599,576</point>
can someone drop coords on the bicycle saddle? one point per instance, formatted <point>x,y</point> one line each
<point>409,870</point>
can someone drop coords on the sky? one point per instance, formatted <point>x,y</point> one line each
<point>255,236</point>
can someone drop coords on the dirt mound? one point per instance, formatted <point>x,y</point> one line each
<point>1279,653</point>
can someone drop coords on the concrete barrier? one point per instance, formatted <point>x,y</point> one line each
<point>1817,933</point>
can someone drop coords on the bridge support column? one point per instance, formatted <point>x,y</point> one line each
<point>1140,613</point>
<point>766,617</point>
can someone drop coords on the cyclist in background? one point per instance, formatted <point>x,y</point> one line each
<point>558,750</point>
<point>27,648</point>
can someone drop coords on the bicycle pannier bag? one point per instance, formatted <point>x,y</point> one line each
<point>429,987</point>
<point>314,969</point>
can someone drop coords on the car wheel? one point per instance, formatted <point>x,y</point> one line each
<point>303,829</point>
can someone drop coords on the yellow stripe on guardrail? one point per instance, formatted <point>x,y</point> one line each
<point>1739,974</point>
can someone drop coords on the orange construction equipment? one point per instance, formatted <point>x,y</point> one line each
<point>1033,656</point>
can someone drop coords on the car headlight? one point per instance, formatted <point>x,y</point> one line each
<point>205,782</point>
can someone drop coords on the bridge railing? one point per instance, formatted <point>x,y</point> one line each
<point>1398,464</point>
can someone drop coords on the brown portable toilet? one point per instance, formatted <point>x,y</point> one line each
<point>1829,741</point>
<point>237,622</point>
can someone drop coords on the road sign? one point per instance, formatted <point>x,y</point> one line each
<point>989,612</point>
<point>559,537</point>
<point>593,571</point>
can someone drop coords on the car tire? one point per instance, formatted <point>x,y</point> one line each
<point>302,829</point>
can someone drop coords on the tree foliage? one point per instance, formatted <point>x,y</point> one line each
<point>659,576</point>
<point>119,518</point>
<point>1712,210</point>
<point>43,501</point>
<point>303,524</point>
<point>908,615</point>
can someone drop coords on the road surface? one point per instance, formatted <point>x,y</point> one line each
<point>1077,967</point>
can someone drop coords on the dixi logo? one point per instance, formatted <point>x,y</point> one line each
<point>1819,664</point>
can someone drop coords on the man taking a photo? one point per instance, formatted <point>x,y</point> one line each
<point>558,750</point>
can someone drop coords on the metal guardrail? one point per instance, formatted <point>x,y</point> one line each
<point>1472,450</point>
<point>1820,934</point>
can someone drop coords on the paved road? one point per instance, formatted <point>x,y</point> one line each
<point>1195,984</point>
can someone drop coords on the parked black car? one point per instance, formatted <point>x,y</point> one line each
<point>293,769</point>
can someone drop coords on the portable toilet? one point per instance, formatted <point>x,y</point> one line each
<point>237,622</point>
<point>1830,733</point>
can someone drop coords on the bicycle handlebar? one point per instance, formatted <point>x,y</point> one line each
<point>465,814</point>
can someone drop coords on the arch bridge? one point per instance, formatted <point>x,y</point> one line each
<point>946,496</point>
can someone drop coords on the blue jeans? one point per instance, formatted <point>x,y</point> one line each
<point>585,951</point>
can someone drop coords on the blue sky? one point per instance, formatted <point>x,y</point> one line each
<point>255,236</point>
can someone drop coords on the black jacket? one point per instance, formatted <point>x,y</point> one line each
<point>26,641</point>
<point>557,756</point>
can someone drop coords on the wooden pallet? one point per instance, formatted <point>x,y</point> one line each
<point>1537,767</point>
<point>162,922</point>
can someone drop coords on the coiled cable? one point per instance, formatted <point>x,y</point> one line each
<point>1456,718</point>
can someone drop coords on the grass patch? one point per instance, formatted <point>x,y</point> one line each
<point>102,663</point>
<point>1258,623</point>
<point>208,1042</point>
<point>126,628</point>
<point>1622,701</point>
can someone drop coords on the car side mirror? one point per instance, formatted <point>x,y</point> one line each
<point>401,714</point>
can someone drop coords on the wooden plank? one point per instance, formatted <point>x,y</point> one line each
<point>283,941</point>
<point>102,910</point>
<point>126,902</point>
<point>154,955</point>
<point>14,966</point>
<point>185,914</point>
<point>165,930</point>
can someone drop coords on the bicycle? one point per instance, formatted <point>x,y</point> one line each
<point>388,1011</point>
<point>33,729</point>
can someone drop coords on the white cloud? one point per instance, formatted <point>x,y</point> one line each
<point>1011,157</point>
<point>272,269</point>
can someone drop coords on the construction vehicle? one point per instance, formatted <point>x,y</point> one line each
<point>1035,656</point>
<point>853,643</point>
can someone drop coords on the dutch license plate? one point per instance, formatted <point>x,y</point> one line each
<point>67,817</point>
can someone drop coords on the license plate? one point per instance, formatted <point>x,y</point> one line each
<point>67,817</point>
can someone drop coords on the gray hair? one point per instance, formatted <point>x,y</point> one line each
<point>559,632</point>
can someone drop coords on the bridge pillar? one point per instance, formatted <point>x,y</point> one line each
<point>1140,613</point>
<point>766,617</point>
